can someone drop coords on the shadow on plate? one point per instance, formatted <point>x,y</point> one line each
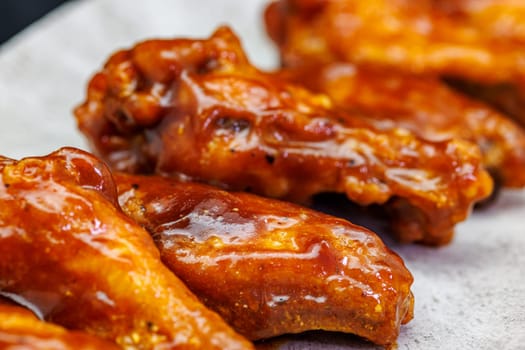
<point>316,340</point>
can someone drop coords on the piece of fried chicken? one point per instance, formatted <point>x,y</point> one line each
<point>424,105</point>
<point>68,251</point>
<point>21,330</point>
<point>198,109</point>
<point>477,43</point>
<point>270,267</point>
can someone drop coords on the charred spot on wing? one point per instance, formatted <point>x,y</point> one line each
<point>232,124</point>
<point>269,159</point>
<point>122,119</point>
<point>208,66</point>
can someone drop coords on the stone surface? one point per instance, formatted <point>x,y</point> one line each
<point>469,295</point>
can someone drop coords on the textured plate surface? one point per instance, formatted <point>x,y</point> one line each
<point>469,295</point>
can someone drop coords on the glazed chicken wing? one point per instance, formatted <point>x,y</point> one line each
<point>68,251</point>
<point>198,109</point>
<point>478,43</point>
<point>21,330</point>
<point>479,40</point>
<point>425,106</point>
<point>270,267</point>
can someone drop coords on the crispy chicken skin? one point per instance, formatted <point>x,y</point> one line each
<point>423,105</point>
<point>270,267</point>
<point>477,43</point>
<point>70,252</point>
<point>478,40</point>
<point>21,330</point>
<point>198,109</point>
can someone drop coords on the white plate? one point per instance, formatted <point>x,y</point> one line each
<point>469,295</point>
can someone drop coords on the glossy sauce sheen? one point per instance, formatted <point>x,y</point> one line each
<point>198,109</point>
<point>476,40</point>
<point>68,251</point>
<point>270,267</point>
<point>21,330</point>
<point>477,43</point>
<point>425,106</point>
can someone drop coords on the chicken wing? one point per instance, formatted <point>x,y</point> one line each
<point>425,106</point>
<point>198,109</point>
<point>478,43</point>
<point>508,97</point>
<point>21,330</point>
<point>479,40</point>
<point>68,251</point>
<point>271,267</point>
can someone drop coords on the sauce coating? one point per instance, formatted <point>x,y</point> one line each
<point>21,330</point>
<point>477,43</point>
<point>270,267</point>
<point>198,109</point>
<point>69,251</point>
<point>476,40</point>
<point>425,106</point>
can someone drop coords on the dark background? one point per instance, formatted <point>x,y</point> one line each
<point>15,15</point>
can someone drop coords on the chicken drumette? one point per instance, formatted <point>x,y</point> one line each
<point>477,44</point>
<point>198,109</point>
<point>67,250</point>
<point>270,267</point>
